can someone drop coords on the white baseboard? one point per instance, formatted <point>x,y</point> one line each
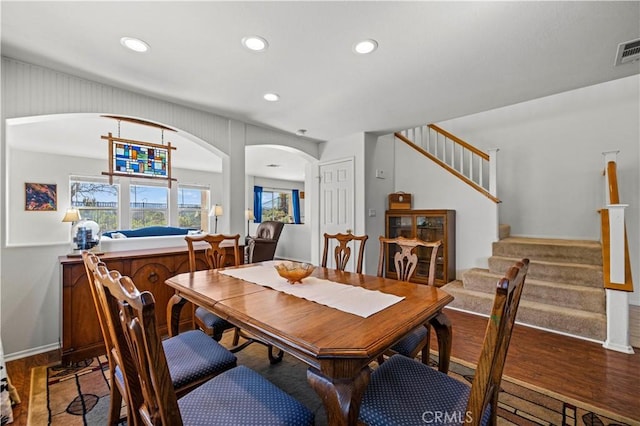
<point>31,352</point>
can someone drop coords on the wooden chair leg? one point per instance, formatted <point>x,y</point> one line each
<point>442,325</point>
<point>115,404</point>
<point>236,336</point>
<point>274,359</point>
<point>425,353</point>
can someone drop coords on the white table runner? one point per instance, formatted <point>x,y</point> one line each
<point>347,298</point>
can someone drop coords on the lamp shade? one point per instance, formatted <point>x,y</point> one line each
<point>72,215</point>
<point>217,210</point>
<point>249,214</point>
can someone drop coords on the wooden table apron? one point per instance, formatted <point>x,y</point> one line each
<point>337,346</point>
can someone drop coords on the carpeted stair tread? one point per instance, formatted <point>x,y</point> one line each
<point>559,250</point>
<point>575,322</point>
<point>573,296</point>
<point>565,272</point>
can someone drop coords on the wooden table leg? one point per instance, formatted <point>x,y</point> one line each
<point>341,397</point>
<point>442,325</point>
<point>173,314</point>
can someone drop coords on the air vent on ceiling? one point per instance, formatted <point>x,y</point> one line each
<point>628,52</point>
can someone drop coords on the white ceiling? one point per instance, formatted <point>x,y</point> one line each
<point>436,60</point>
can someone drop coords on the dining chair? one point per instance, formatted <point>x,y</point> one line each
<point>216,257</point>
<point>342,251</point>
<point>117,391</point>
<point>192,357</point>
<point>238,396</point>
<point>403,391</point>
<point>405,261</point>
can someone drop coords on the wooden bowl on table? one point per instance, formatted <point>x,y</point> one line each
<point>294,272</point>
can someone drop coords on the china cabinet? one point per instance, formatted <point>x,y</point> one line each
<point>427,225</point>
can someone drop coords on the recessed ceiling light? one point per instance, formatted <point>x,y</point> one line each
<point>134,44</point>
<point>365,46</point>
<point>271,97</point>
<point>255,43</point>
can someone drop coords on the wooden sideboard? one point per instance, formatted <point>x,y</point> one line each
<point>81,336</point>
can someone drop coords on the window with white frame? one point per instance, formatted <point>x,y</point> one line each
<point>193,207</point>
<point>276,205</point>
<point>131,204</point>
<point>96,200</point>
<point>148,205</point>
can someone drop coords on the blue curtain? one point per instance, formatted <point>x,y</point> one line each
<point>257,203</point>
<point>295,200</point>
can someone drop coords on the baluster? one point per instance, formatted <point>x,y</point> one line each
<point>453,154</point>
<point>480,174</point>
<point>432,140</point>
<point>493,171</point>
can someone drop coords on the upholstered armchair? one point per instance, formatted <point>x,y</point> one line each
<point>263,245</point>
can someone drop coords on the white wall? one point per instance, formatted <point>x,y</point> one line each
<point>379,155</point>
<point>550,161</point>
<point>433,188</point>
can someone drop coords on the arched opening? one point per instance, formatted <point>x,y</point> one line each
<point>63,149</point>
<point>279,173</point>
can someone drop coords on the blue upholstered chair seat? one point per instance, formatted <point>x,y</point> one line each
<point>193,355</point>
<point>212,320</point>
<point>403,391</point>
<point>410,342</point>
<point>240,397</point>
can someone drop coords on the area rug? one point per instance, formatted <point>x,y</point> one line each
<point>79,394</point>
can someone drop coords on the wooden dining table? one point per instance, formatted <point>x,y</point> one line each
<point>338,346</point>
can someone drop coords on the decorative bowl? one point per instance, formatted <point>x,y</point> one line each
<point>294,272</point>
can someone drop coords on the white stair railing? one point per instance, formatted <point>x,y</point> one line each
<point>475,167</point>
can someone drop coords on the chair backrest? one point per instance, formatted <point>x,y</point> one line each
<point>91,262</point>
<point>405,259</point>
<point>341,251</point>
<point>486,384</point>
<point>270,230</point>
<point>215,254</point>
<point>159,403</point>
<point>118,350</point>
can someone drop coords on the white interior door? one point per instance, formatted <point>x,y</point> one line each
<point>336,202</point>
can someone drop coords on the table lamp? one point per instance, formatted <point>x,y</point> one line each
<point>250,217</point>
<point>72,215</point>
<point>215,212</point>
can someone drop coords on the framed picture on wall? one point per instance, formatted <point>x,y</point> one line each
<point>40,196</point>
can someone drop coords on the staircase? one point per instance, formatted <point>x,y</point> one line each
<point>564,287</point>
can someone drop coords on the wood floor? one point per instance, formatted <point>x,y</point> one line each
<point>577,369</point>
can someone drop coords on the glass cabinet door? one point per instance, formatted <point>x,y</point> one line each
<point>399,226</point>
<point>430,228</point>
